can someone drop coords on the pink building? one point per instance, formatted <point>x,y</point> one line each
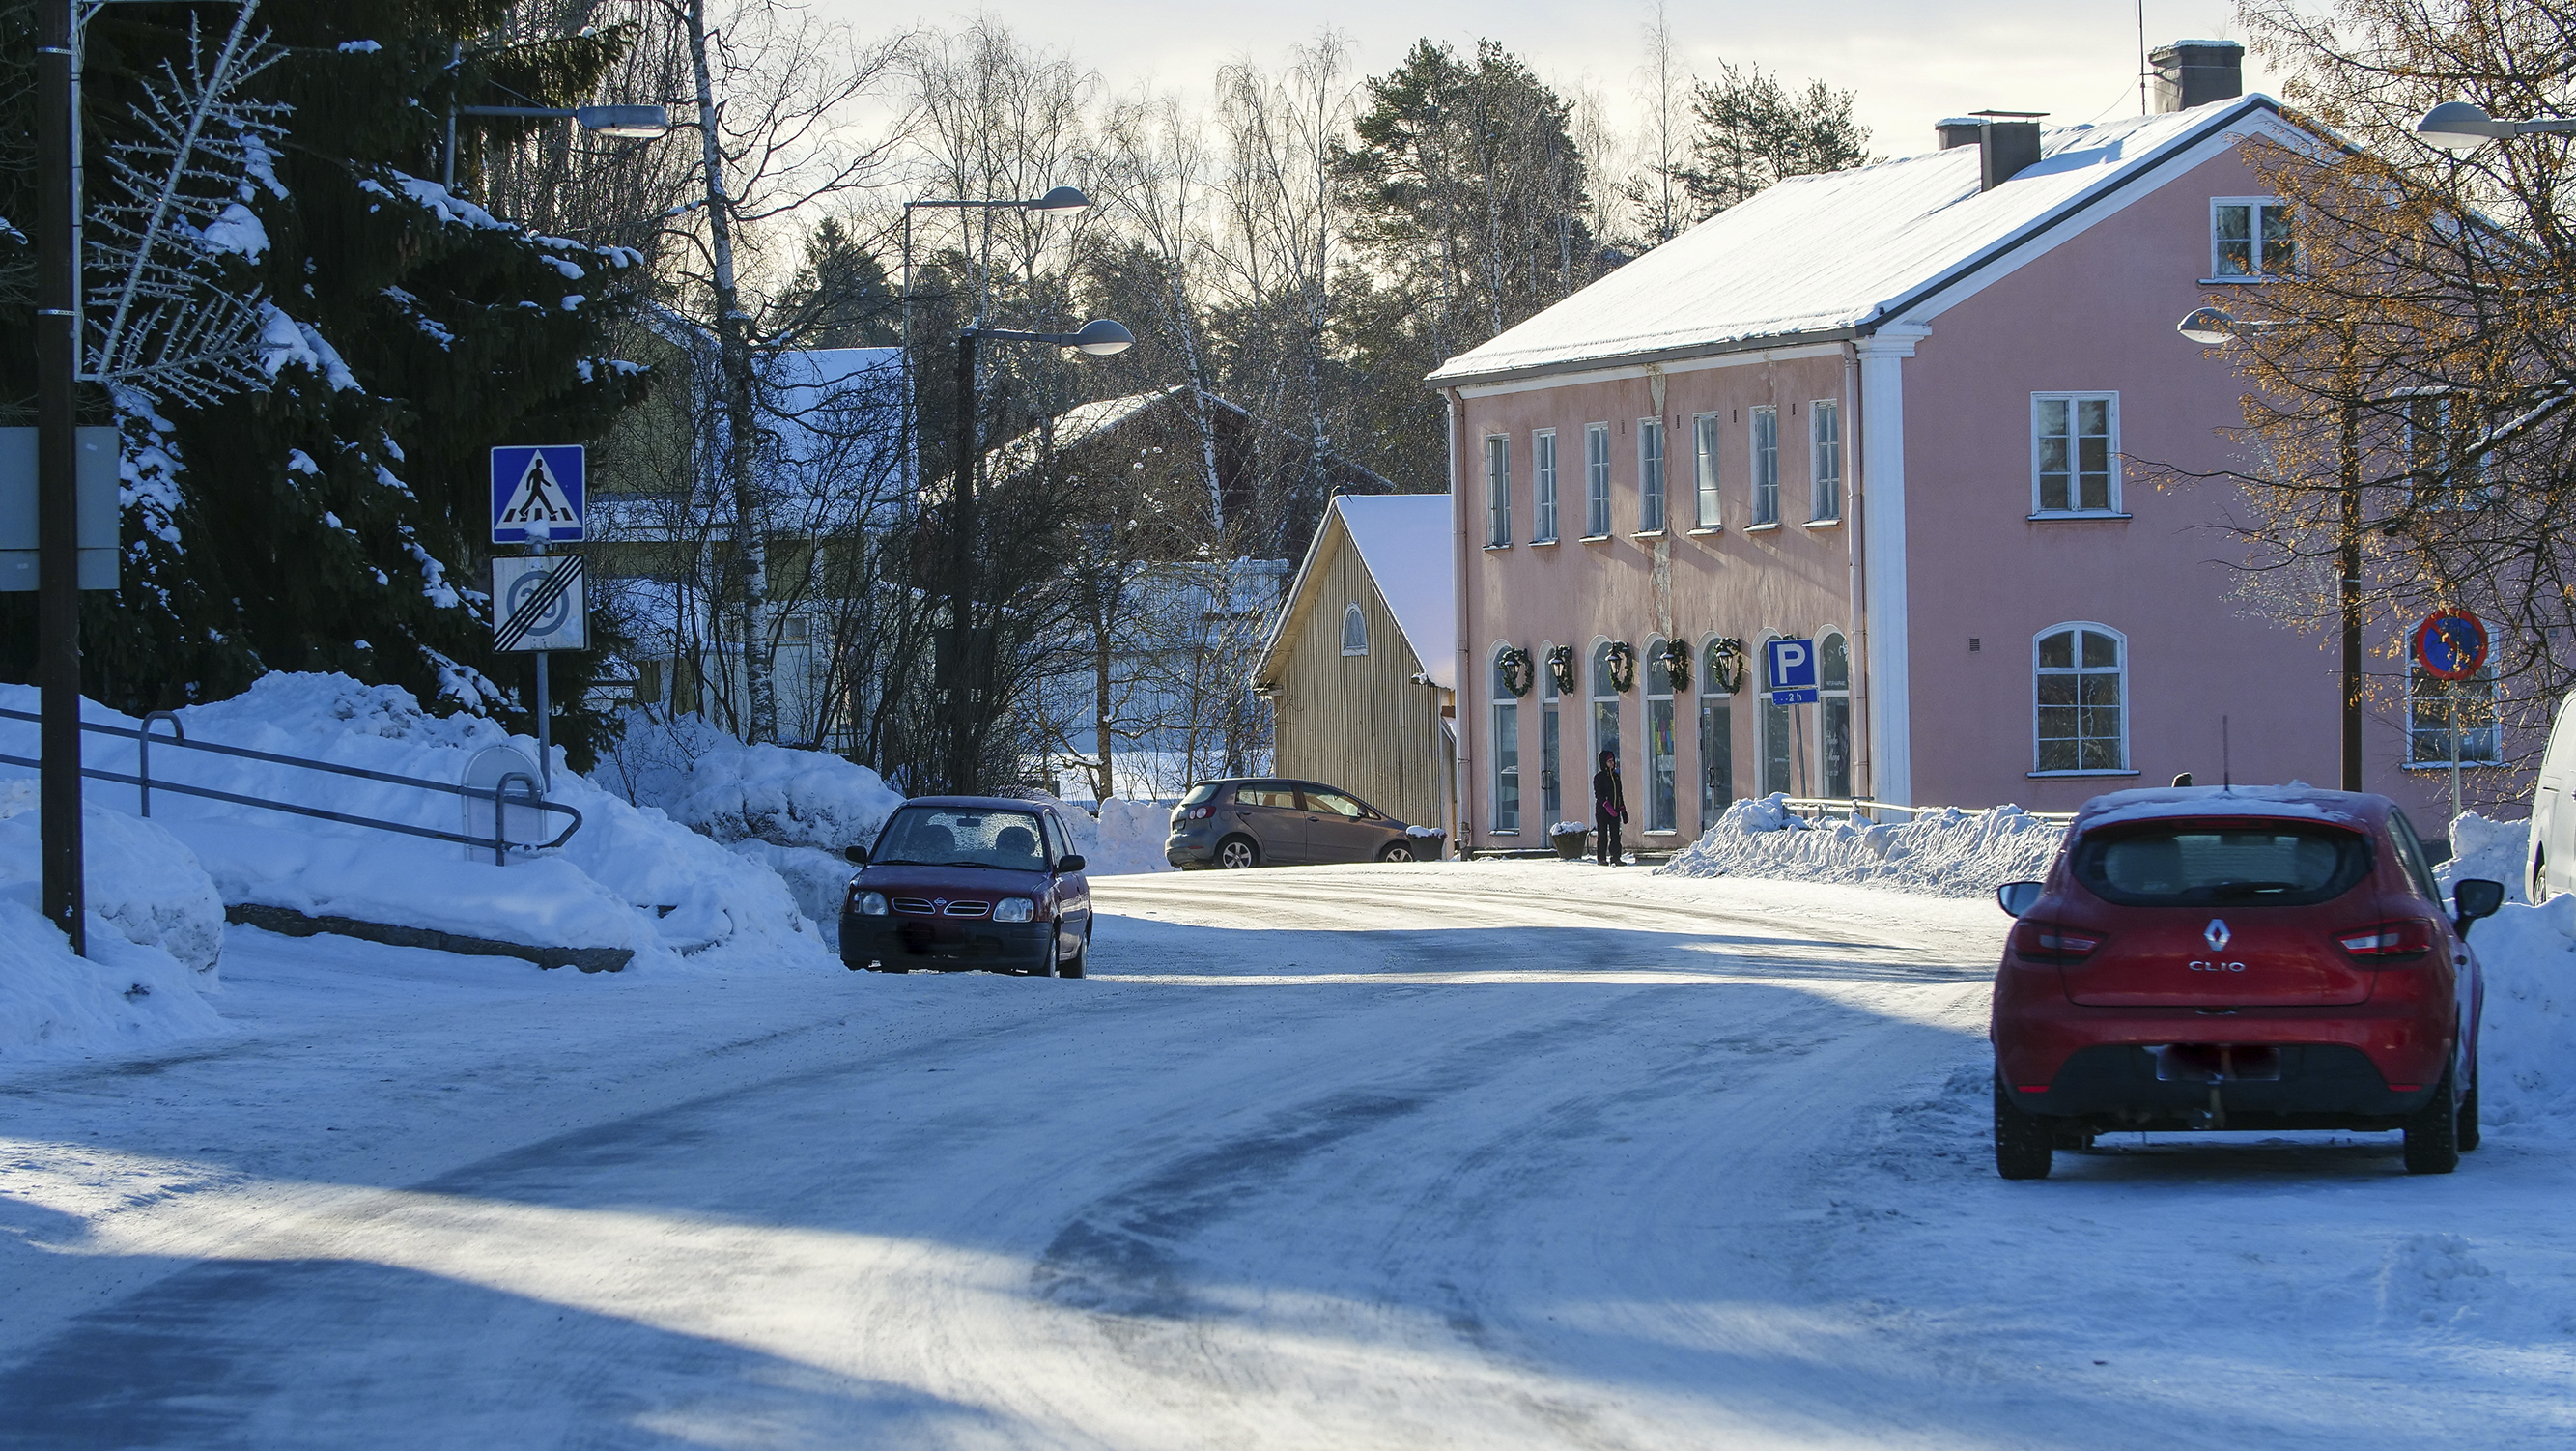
<point>1907,412</point>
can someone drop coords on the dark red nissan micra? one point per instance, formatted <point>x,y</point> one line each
<point>2259,958</point>
<point>961,882</point>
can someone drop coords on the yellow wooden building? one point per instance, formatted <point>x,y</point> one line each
<point>1361,670</point>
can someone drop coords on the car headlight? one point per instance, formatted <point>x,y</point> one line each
<point>870,904</point>
<point>1014,909</point>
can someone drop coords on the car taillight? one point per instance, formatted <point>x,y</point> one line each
<point>2050,942</point>
<point>1199,813</point>
<point>2405,937</point>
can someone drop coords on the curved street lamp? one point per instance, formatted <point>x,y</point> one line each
<point>2460,127</point>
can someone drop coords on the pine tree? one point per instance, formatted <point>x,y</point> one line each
<point>1755,132</point>
<point>335,518</point>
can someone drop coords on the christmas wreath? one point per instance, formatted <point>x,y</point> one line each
<point>1519,673</point>
<point>1726,663</point>
<point>1623,665</point>
<point>1676,656</point>
<point>1560,668</point>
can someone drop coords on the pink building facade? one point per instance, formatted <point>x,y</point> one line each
<point>1917,413</point>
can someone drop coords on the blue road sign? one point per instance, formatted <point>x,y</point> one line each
<point>1792,670</point>
<point>2451,644</point>
<point>537,493</point>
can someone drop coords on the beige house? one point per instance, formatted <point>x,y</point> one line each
<point>1361,670</point>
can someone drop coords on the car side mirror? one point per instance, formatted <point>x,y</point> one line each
<point>2018,897</point>
<point>856,856</point>
<point>2473,898</point>
<point>1070,863</point>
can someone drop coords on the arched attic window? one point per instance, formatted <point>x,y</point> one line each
<point>1354,631</point>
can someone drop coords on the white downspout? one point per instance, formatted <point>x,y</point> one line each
<point>1458,698</point>
<point>1882,377</point>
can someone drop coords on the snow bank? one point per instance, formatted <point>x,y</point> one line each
<point>2495,850</point>
<point>2527,1043</point>
<point>703,778</point>
<point>1952,853</point>
<point>1125,839</point>
<point>629,879</point>
<point>155,932</point>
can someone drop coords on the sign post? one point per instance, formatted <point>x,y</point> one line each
<point>2451,645</point>
<point>540,497</point>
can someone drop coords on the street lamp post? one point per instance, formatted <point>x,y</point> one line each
<point>1099,338</point>
<point>2212,328</point>
<point>1058,201</point>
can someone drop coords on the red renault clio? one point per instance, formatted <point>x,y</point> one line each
<point>2256,958</point>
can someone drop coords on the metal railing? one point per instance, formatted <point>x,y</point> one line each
<point>1862,808</point>
<point>500,793</point>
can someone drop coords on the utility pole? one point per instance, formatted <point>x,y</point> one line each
<point>956,698</point>
<point>57,514</point>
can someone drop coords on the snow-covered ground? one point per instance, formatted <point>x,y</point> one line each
<point>1475,1155</point>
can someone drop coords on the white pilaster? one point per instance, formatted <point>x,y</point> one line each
<point>1882,441</point>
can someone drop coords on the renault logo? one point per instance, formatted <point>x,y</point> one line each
<point>2216,936</point>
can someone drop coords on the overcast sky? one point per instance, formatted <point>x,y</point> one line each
<point>1912,61</point>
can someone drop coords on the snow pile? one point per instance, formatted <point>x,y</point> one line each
<point>1124,839</point>
<point>2495,850</point>
<point>2527,1044</point>
<point>705,779</point>
<point>155,932</point>
<point>1951,853</point>
<point>629,879</point>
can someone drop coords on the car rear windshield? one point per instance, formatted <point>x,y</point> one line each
<point>2195,864</point>
<point>1200,794</point>
<point>953,836</point>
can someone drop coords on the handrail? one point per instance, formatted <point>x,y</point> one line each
<point>143,752</point>
<point>144,783</point>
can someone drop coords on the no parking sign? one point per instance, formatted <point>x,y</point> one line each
<point>2451,644</point>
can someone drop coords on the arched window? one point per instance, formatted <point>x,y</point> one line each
<point>1551,783</point>
<point>1354,631</point>
<point>2080,690</point>
<point>1833,706</point>
<point>1605,710</point>
<point>1507,750</point>
<point>1716,740</point>
<point>1779,733</point>
<point>1659,739</point>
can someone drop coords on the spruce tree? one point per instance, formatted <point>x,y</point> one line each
<point>335,517</point>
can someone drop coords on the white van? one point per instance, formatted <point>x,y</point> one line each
<point>2551,866</point>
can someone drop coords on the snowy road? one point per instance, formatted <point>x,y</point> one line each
<point>1474,1156</point>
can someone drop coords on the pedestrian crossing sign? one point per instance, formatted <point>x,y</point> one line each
<point>537,494</point>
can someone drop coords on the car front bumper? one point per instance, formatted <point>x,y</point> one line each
<point>900,942</point>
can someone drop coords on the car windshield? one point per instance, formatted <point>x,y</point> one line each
<point>960,836</point>
<point>2190,864</point>
<point>1200,794</point>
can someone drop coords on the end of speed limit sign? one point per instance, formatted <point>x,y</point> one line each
<point>538,603</point>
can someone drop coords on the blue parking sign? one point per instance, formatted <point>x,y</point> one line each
<point>1792,670</point>
<point>537,493</point>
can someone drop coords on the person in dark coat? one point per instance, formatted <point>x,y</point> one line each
<point>1609,808</point>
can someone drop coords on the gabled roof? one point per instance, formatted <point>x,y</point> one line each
<point>1838,255</point>
<point>1404,542</point>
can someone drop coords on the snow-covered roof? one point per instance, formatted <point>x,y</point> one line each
<point>1840,253</point>
<point>1404,540</point>
<point>2301,802</point>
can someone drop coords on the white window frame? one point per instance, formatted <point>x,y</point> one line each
<point>2457,496</point>
<point>1651,503</point>
<point>1596,481</point>
<point>1543,486</point>
<point>2128,697</point>
<point>1824,461</point>
<point>1498,491</point>
<point>2254,238</point>
<point>1550,709</point>
<point>1765,464</point>
<point>1663,814</point>
<point>1707,438</point>
<point>2416,695</point>
<point>1353,615</point>
<point>1596,696</point>
<point>1826,693</point>
<point>1507,765</point>
<point>2074,464</point>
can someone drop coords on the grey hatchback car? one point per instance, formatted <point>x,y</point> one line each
<point>1264,821</point>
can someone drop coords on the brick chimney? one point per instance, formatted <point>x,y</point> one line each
<point>2007,142</point>
<point>2195,72</point>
